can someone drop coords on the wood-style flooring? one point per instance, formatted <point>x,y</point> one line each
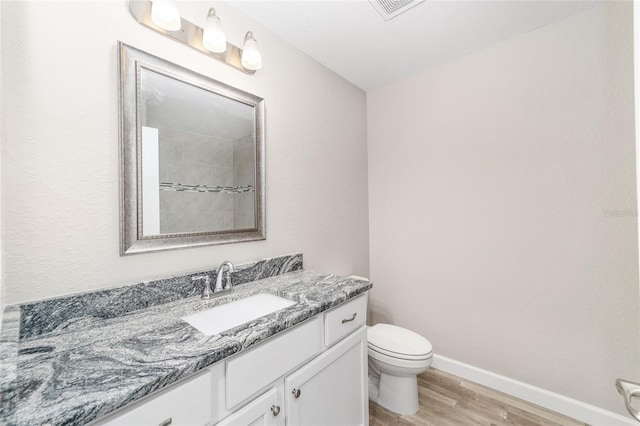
<point>447,400</point>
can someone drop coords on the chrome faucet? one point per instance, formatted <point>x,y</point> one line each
<point>629,391</point>
<point>206,291</point>
<point>222,275</point>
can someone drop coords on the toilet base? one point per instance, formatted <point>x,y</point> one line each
<point>398,394</point>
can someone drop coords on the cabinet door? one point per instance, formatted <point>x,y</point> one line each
<point>331,390</point>
<point>266,410</point>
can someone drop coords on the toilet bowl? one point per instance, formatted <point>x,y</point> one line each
<point>396,357</point>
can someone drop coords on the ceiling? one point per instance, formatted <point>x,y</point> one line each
<point>352,39</point>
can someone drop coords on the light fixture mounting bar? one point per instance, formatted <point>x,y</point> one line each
<point>190,34</point>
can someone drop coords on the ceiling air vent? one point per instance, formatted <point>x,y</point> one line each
<point>391,8</point>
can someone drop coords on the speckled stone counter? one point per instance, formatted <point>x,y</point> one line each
<point>90,365</point>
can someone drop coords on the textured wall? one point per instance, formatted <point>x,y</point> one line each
<point>1,226</point>
<point>502,207</point>
<point>60,150</point>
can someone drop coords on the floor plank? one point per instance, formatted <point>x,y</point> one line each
<point>448,400</point>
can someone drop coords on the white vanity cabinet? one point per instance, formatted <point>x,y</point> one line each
<point>248,373</point>
<point>321,366</point>
<point>312,374</point>
<point>331,389</point>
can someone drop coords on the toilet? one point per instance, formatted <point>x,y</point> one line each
<point>396,357</point>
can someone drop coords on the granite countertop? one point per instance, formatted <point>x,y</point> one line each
<point>92,366</point>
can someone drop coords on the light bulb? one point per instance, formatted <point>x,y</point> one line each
<point>251,57</point>
<point>164,13</point>
<point>213,38</point>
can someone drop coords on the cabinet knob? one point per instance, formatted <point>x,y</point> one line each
<point>166,422</point>
<point>296,393</point>
<point>275,409</point>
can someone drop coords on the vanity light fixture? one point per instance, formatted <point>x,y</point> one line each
<point>251,57</point>
<point>164,13</point>
<point>213,38</point>
<point>163,17</point>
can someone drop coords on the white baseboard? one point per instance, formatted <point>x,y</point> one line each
<point>552,401</point>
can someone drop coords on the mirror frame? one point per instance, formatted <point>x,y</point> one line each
<point>130,63</point>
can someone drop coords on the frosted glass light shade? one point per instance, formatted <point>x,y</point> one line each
<point>213,38</point>
<point>251,57</point>
<point>164,13</point>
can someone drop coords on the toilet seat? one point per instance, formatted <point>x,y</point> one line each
<point>397,342</point>
<point>392,354</point>
<point>409,364</point>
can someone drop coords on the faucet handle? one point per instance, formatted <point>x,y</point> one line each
<point>206,291</point>
<point>227,276</point>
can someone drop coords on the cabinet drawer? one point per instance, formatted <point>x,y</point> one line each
<point>188,403</point>
<point>250,372</point>
<point>344,319</point>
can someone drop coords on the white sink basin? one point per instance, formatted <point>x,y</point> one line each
<point>232,314</point>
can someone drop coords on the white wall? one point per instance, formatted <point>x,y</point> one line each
<point>60,150</point>
<point>1,222</point>
<point>502,207</point>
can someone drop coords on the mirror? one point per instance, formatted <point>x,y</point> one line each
<point>192,158</point>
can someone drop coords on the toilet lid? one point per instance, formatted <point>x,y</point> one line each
<point>397,340</point>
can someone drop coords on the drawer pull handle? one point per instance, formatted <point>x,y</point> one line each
<point>350,319</point>
<point>296,393</point>
<point>166,422</point>
<point>275,409</point>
